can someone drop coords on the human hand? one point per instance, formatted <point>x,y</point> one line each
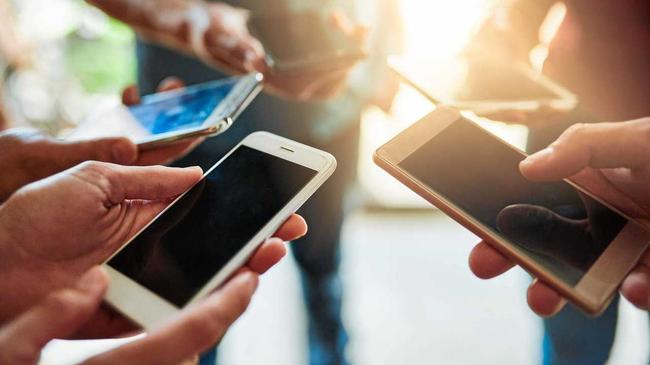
<point>322,83</point>
<point>611,161</point>
<point>64,312</point>
<point>53,230</point>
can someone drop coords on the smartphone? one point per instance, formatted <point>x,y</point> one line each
<point>557,231</point>
<point>206,234</point>
<point>305,40</point>
<point>206,109</point>
<point>483,84</point>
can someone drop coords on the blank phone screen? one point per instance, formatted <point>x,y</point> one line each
<point>188,244</point>
<point>552,223</point>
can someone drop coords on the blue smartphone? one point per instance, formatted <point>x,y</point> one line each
<point>206,109</point>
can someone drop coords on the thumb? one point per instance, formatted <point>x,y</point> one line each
<point>118,150</point>
<point>599,145</point>
<point>57,316</point>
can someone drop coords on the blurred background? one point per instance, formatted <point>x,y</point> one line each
<point>409,296</point>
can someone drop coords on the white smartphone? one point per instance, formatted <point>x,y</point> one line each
<point>485,84</point>
<point>558,231</point>
<point>206,234</point>
<point>206,109</point>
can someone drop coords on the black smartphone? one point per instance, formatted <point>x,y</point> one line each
<point>304,40</point>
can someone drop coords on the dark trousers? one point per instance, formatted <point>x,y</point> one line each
<point>317,253</point>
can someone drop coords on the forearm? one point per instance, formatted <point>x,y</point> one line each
<point>161,21</point>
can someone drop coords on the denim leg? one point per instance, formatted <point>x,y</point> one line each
<point>573,338</point>
<point>317,255</point>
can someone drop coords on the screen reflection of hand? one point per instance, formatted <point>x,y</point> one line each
<point>577,242</point>
<point>142,254</point>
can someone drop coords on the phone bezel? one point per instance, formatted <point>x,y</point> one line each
<point>221,118</point>
<point>595,289</point>
<point>150,310</point>
<point>564,100</point>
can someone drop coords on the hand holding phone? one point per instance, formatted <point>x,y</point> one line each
<point>50,247</point>
<point>481,187</point>
<point>309,54</point>
<point>208,233</point>
<point>611,161</point>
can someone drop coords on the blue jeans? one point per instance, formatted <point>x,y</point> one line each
<point>317,253</point>
<point>572,338</point>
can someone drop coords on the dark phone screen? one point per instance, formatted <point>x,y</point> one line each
<point>553,223</point>
<point>187,245</point>
<point>183,110</point>
<point>301,37</point>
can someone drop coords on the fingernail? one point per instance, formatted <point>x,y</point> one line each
<point>537,157</point>
<point>124,152</point>
<point>93,280</point>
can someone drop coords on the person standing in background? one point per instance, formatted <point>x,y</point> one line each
<point>331,125</point>
<point>600,52</point>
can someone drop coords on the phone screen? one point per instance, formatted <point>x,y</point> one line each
<point>188,244</point>
<point>306,37</point>
<point>186,109</point>
<point>552,223</point>
<point>158,114</point>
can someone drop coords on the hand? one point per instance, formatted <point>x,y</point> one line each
<point>64,312</point>
<point>610,160</point>
<point>321,84</point>
<point>54,230</point>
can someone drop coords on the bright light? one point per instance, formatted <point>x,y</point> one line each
<point>437,29</point>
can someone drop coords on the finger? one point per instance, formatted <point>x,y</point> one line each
<point>167,154</point>
<point>58,316</point>
<point>267,255</point>
<point>170,83</point>
<point>135,182</point>
<point>191,333</point>
<point>486,262</point>
<point>131,95</point>
<point>292,229</point>
<point>600,145</point>
<point>118,150</point>
<point>543,300</point>
<point>636,286</point>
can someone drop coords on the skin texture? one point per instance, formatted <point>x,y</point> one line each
<point>612,161</point>
<point>42,251</point>
<point>227,44</point>
<point>63,312</point>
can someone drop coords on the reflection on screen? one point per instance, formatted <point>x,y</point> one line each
<point>186,246</point>
<point>183,110</point>
<point>553,223</point>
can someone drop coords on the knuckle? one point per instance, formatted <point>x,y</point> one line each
<point>208,328</point>
<point>102,175</point>
<point>64,304</point>
<point>576,130</point>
